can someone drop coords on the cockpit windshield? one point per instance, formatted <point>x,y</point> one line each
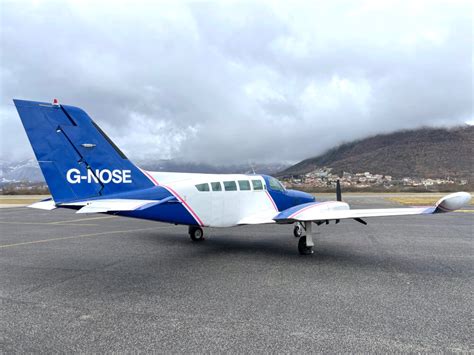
<point>275,184</point>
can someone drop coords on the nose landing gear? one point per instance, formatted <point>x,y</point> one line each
<point>298,231</point>
<point>303,247</point>
<point>196,234</point>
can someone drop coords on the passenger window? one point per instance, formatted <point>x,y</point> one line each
<point>202,187</point>
<point>230,186</point>
<point>216,186</point>
<point>244,185</point>
<point>257,185</point>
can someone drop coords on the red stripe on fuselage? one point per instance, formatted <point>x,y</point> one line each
<point>190,210</point>
<point>308,207</point>
<point>150,177</point>
<point>175,194</point>
<point>273,202</point>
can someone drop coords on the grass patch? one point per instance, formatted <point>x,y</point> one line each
<point>18,201</point>
<point>417,200</point>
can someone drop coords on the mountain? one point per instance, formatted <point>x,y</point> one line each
<point>28,171</point>
<point>423,153</point>
<point>20,171</point>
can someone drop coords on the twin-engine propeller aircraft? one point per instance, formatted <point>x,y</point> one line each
<point>87,172</point>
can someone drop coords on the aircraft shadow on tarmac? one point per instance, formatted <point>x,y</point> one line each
<point>325,254</point>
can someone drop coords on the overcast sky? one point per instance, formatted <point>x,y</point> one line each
<point>233,82</point>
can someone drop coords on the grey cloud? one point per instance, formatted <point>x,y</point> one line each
<point>229,83</point>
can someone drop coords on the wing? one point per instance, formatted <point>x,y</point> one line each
<point>334,210</point>
<point>265,217</point>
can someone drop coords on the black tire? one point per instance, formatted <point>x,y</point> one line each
<point>196,234</point>
<point>298,230</point>
<point>303,248</point>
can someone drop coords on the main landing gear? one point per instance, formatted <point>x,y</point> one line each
<point>305,243</point>
<point>196,234</point>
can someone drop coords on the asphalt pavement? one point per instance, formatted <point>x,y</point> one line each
<point>96,283</point>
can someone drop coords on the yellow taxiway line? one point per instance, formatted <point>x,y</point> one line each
<point>83,219</point>
<point>82,236</point>
<point>48,223</point>
<point>70,222</point>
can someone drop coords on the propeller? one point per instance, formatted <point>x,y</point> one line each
<point>338,194</point>
<point>339,198</point>
<point>360,220</point>
<point>338,191</point>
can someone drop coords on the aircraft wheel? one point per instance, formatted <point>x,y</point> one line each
<point>298,230</point>
<point>303,248</point>
<point>196,234</point>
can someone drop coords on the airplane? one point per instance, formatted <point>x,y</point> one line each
<point>85,171</point>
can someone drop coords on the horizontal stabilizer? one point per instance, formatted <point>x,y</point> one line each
<point>47,205</point>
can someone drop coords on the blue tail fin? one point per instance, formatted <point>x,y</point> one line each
<point>76,157</point>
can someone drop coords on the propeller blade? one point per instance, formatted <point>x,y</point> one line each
<point>360,220</point>
<point>338,191</point>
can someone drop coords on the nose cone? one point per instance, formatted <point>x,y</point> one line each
<point>308,197</point>
<point>301,197</point>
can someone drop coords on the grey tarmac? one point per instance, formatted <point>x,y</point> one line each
<point>103,283</point>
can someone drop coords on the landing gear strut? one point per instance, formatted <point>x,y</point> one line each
<point>305,243</point>
<point>196,234</point>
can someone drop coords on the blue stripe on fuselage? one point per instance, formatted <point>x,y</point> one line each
<point>171,211</point>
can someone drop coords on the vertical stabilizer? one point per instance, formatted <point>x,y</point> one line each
<point>78,160</point>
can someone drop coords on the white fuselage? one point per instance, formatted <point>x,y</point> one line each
<point>224,207</point>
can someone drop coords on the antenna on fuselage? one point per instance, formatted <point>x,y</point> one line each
<point>251,167</point>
